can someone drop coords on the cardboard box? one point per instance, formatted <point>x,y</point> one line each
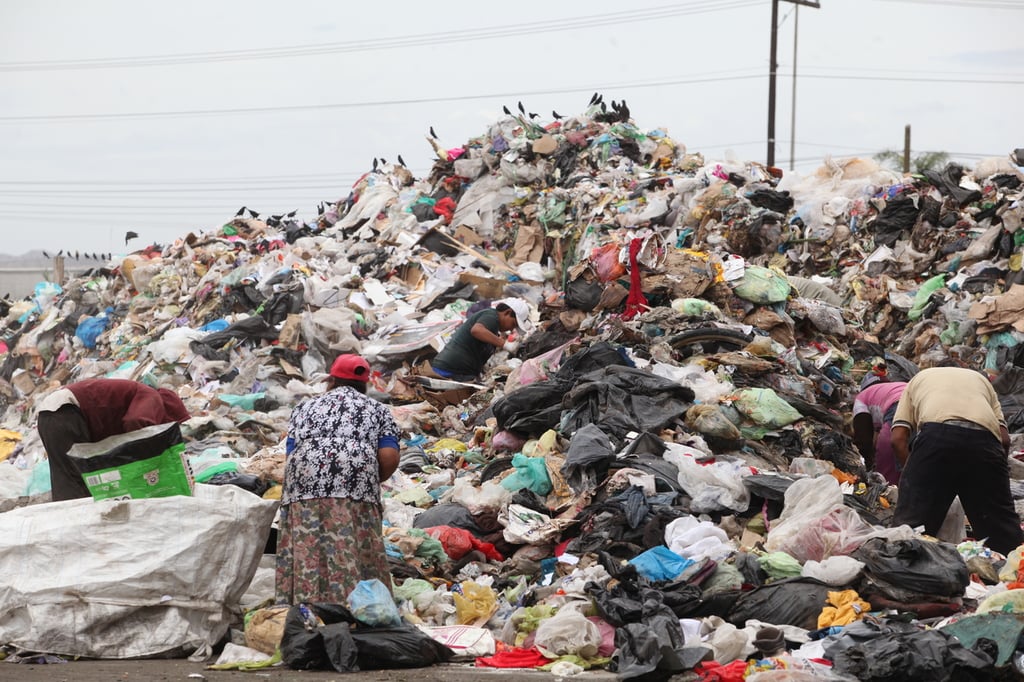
<point>169,473</point>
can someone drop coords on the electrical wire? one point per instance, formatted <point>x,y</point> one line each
<point>414,40</point>
<point>359,105</point>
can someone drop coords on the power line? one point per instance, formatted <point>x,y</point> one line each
<point>414,40</point>
<point>359,105</point>
<point>429,100</point>
<point>980,4</point>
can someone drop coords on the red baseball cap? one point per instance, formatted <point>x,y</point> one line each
<point>351,366</point>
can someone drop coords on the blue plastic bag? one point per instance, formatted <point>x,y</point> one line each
<point>371,604</point>
<point>660,563</point>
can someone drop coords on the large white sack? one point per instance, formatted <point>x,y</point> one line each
<point>129,578</point>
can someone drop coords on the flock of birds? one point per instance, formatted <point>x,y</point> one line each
<point>607,113</point>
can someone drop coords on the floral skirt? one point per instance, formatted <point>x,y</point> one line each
<point>327,545</point>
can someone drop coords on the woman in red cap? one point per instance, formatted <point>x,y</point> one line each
<point>340,446</point>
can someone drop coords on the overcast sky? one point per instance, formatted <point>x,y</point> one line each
<point>163,118</point>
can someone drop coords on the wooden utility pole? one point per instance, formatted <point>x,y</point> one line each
<point>906,148</point>
<point>58,270</point>
<point>773,67</point>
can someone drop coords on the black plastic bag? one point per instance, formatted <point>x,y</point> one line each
<point>903,568</point>
<point>533,409</point>
<point>250,482</point>
<point>590,452</point>
<point>925,656</point>
<point>793,601</point>
<point>341,643</point>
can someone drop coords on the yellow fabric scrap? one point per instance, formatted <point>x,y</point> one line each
<point>846,607</point>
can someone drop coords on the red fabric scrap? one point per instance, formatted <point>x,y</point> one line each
<point>636,302</point>
<point>513,658</point>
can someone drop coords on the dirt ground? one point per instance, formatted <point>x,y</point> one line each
<point>181,670</point>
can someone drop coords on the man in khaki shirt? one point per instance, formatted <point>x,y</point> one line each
<point>960,448</point>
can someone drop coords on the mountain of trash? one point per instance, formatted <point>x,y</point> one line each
<point>701,327</point>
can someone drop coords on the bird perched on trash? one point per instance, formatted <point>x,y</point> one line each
<point>505,109</point>
<point>375,164</point>
<point>522,109</point>
<point>240,212</point>
<point>45,255</point>
<point>292,214</point>
<point>401,161</point>
<point>253,214</point>
<point>432,133</point>
<point>556,116</point>
<point>129,235</point>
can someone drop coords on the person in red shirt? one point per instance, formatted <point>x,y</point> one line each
<point>94,409</point>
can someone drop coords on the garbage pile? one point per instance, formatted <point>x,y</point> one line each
<point>662,478</point>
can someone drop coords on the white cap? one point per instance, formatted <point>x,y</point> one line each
<point>522,311</point>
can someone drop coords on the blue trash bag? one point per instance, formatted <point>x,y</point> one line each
<point>371,604</point>
<point>660,563</point>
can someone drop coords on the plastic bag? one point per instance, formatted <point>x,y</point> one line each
<point>712,487</point>
<point>605,260</point>
<point>835,570</point>
<point>568,633</point>
<point>915,566</point>
<point>371,604</point>
<point>765,408</point>
<point>709,420</point>
<point>476,604</point>
<point>839,532</point>
<point>660,564</point>
<point>762,285</point>
<point>805,500</point>
<point>489,497</point>
<point>793,601</point>
<point>530,473</point>
<point>321,637</point>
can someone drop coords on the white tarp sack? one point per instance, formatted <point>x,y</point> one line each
<point>129,578</point>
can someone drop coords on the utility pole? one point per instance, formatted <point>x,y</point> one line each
<point>792,106</point>
<point>906,148</point>
<point>773,68</point>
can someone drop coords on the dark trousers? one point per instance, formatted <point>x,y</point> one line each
<point>59,431</point>
<point>946,461</point>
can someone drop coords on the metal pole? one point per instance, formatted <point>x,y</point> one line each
<point>771,83</point>
<point>906,149</point>
<point>792,108</point>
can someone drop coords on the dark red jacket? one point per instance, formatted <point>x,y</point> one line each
<point>116,406</point>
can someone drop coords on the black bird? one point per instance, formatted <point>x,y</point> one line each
<point>45,255</point>
<point>61,252</point>
<point>383,161</point>
<point>76,255</point>
<point>375,163</point>
<point>240,212</point>
<point>522,109</point>
<point>556,116</point>
<point>593,98</point>
<point>401,160</point>
<point>129,235</point>
<point>432,133</point>
<point>253,214</point>
<point>505,109</point>
<point>292,214</point>
<point>320,208</point>
<point>533,115</point>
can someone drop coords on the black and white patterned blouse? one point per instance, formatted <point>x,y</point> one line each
<point>336,436</point>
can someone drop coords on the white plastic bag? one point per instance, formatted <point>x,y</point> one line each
<point>835,570</point>
<point>714,486</point>
<point>568,633</point>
